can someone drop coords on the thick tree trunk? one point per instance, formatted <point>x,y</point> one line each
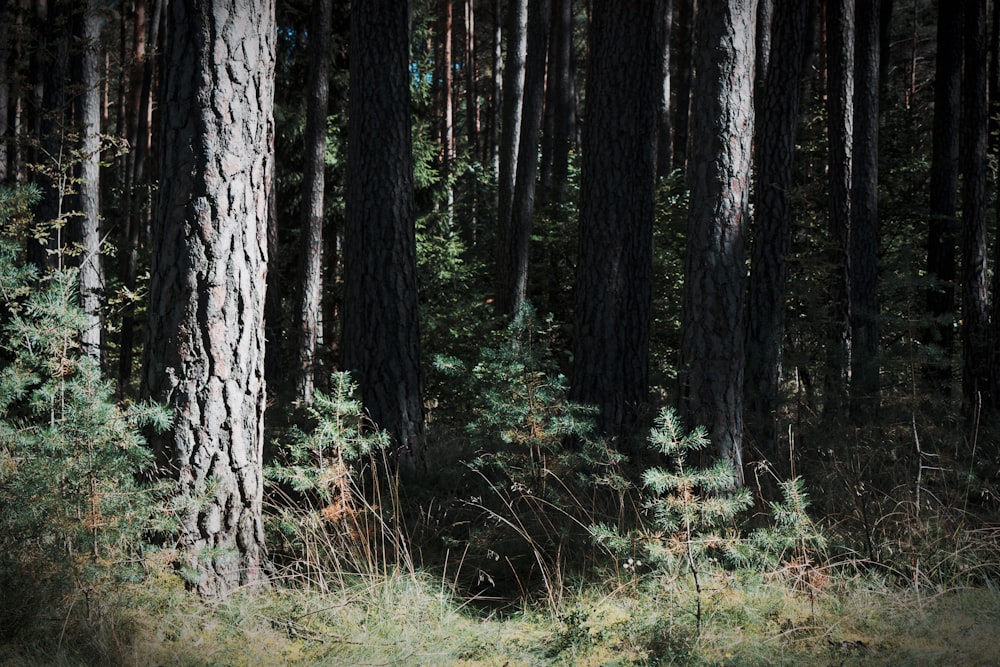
<point>943,230</point>
<point>380,335</point>
<point>513,266</point>
<point>308,306</point>
<point>712,325</point>
<point>975,308</point>
<point>618,188</point>
<point>205,341</point>
<point>864,308</point>
<point>777,120</point>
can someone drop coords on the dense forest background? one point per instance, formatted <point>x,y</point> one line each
<point>505,290</point>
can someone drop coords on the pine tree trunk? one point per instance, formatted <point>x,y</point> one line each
<point>88,119</point>
<point>513,266</point>
<point>684,69</point>
<point>617,208</point>
<point>777,120</point>
<point>380,334</point>
<point>664,151</point>
<point>712,324</point>
<point>943,230</point>
<point>975,306</point>
<point>840,132</point>
<point>308,306</point>
<point>864,238</point>
<point>205,341</point>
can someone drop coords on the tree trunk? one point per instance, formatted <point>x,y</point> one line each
<point>712,324</point>
<point>513,265</point>
<point>510,137</point>
<point>6,20</point>
<point>864,306</point>
<point>560,105</point>
<point>308,306</point>
<point>975,309</point>
<point>684,59</point>
<point>664,151</point>
<point>87,105</point>
<point>380,334</point>
<point>205,340</point>
<point>840,133</point>
<point>617,209</point>
<point>777,120</point>
<point>943,230</point>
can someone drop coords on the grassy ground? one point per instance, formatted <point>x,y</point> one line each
<point>839,618</point>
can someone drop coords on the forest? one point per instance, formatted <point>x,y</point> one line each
<point>499,332</point>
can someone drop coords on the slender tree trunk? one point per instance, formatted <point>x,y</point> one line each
<point>496,88</point>
<point>617,208</point>
<point>560,105</point>
<point>975,308</point>
<point>665,149</point>
<point>446,127</point>
<point>777,120</point>
<point>88,118</point>
<point>510,136</point>
<point>205,340</point>
<point>840,133</point>
<point>943,231</point>
<point>513,267</point>
<point>712,321</point>
<point>865,385</point>
<point>6,19</point>
<point>380,334</point>
<point>684,68</point>
<point>310,287</point>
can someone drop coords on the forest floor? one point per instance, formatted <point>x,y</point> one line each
<point>409,619</point>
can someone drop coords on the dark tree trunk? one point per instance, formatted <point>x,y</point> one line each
<point>712,324</point>
<point>943,230</point>
<point>975,308</point>
<point>510,136</point>
<point>683,35</point>
<point>6,22</point>
<point>137,188</point>
<point>840,132</point>
<point>618,188</point>
<point>513,265</point>
<point>380,335</point>
<point>496,88</point>
<point>205,340</point>
<point>310,287</point>
<point>777,120</point>
<point>560,105</point>
<point>864,306</point>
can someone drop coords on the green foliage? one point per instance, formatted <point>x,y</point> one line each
<point>74,511</point>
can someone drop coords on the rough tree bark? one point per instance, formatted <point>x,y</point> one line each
<point>777,120</point>
<point>308,305</point>
<point>380,334</point>
<point>712,324</point>
<point>205,341</point>
<point>618,188</point>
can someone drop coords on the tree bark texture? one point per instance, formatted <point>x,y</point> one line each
<point>973,140</point>
<point>513,267</point>
<point>840,133</point>
<point>510,137</point>
<point>712,325</point>
<point>618,187</point>
<point>943,230</point>
<point>864,237</point>
<point>777,119</point>
<point>87,116</point>
<point>310,276</point>
<point>205,340</point>
<point>380,334</point>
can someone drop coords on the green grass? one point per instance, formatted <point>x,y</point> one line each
<point>838,618</point>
